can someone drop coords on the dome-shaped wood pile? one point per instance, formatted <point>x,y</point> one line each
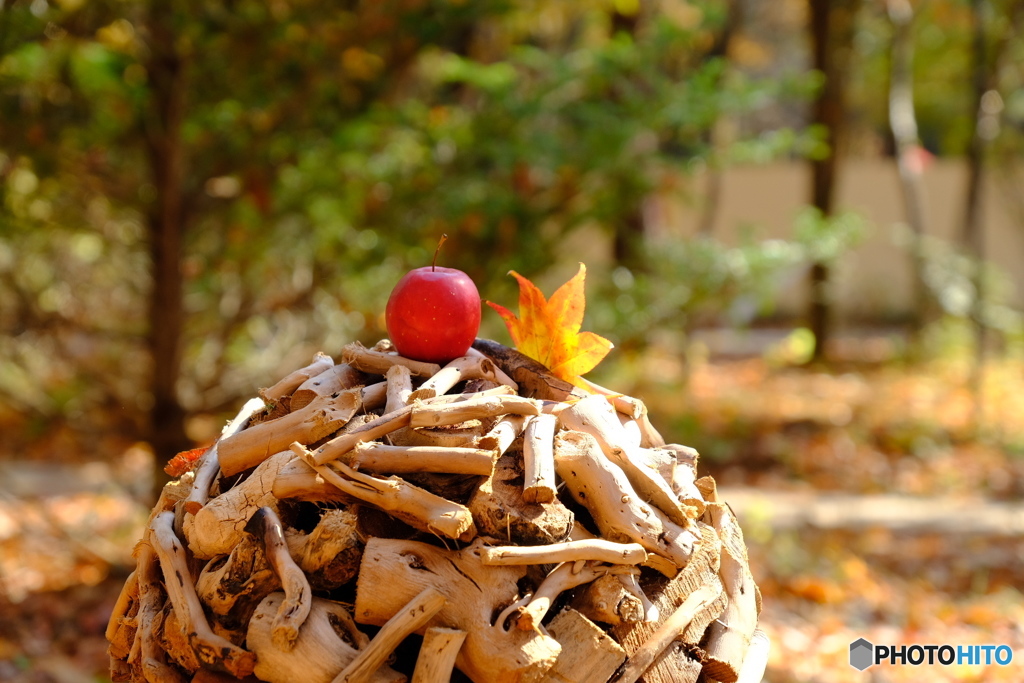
<point>382,519</point>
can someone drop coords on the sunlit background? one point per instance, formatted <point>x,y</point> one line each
<point>803,225</point>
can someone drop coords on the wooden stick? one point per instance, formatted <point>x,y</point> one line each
<point>596,549</point>
<point>627,405</point>
<point>595,416</point>
<point>320,418</point>
<point>374,429</point>
<point>374,456</point>
<point>729,635</point>
<point>607,600</point>
<point>413,616</point>
<point>502,377</point>
<point>426,414</point>
<point>413,505</point>
<point>149,655</point>
<point>207,471</point>
<point>210,648</point>
<point>621,515</point>
<point>561,579</point>
<point>756,660</point>
<point>539,459</point>
<point>642,659</point>
<point>437,655</point>
<point>458,370</point>
<point>266,526</point>
<point>321,363</point>
<point>503,433</point>
<point>399,388</point>
<point>333,381</point>
<point>378,363</point>
<point>129,593</point>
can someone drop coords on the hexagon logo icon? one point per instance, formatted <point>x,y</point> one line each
<point>862,654</point>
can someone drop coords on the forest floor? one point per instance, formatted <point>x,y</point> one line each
<point>876,500</point>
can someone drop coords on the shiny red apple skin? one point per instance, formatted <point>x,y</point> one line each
<point>433,314</point>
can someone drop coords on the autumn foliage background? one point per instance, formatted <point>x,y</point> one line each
<point>197,196</point>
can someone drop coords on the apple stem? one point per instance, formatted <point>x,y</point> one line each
<point>433,264</point>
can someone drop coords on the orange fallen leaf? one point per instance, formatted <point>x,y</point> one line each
<point>548,330</point>
<point>183,462</point>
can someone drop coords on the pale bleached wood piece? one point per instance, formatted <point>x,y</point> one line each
<point>562,578</point>
<point>374,429</point>
<point>409,619</point>
<point>756,659</point>
<point>218,526</point>
<point>374,396</point>
<point>128,596</point>
<point>729,635</point>
<point>427,414</point>
<point>399,388</point>
<point>378,363</point>
<point>211,649</point>
<point>322,650</point>
<point>671,629</point>
<point>539,459</point>
<point>411,504</point>
<point>266,526</point>
<point>621,515</point>
<point>147,659</point>
<point>373,456</point>
<point>458,370</point>
<point>333,381</point>
<point>329,554</point>
<point>206,472</point>
<point>506,430</point>
<point>475,592</point>
<point>437,655</point>
<point>293,380</point>
<point>595,416</point>
<point>589,655</point>
<point>606,600</point>
<point>596,549</point>
<point>320,418</point>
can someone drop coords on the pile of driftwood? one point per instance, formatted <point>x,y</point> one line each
<point>383,519</point>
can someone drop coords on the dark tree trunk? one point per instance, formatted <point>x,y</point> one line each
<point>832,27</point>
<point>166,222</point>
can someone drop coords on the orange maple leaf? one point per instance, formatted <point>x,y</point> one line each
<point>548,330</point>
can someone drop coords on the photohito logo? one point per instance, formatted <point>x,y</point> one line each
<point>864,654</point>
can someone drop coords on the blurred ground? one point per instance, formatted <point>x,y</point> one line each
<point>874,502</point>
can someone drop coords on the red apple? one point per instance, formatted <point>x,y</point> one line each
<point>433,314</point>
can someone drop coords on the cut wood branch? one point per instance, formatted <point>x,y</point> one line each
<point>561,579</point>
<point>459,370</point>
<point>209,465</point>
<point>321,363</point>
<point>606,600</point>
<point>437,655</point>
<point>378,363</point>
<point>673,627</point>
<point>596,417</point>
<point>756,659</point>
<point>330,553</point>
<point>211,649</point>
<point>597,550</point>
<point>327,643</point>
<point>475,594</point>
<point>539,459</point>
<point>333,381</point>
<point>266,527</point>
<point>730,634</point>
<point>373,456</point>
<point>374,429</point>
<point>503,378</point>
<point>506,430</point>
<point>148,660</point>
<point>428,414</point>
<point>218,526</point>
<point>589,655</point>
<point>414,506</point>
<point>399,388</point>
<point>409,619</point>
<point>602,487</point>
<point>322,417</point>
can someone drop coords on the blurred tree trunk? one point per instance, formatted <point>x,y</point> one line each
<point>909,161</point>
<point>166,69</point>
<point>832,29</point>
